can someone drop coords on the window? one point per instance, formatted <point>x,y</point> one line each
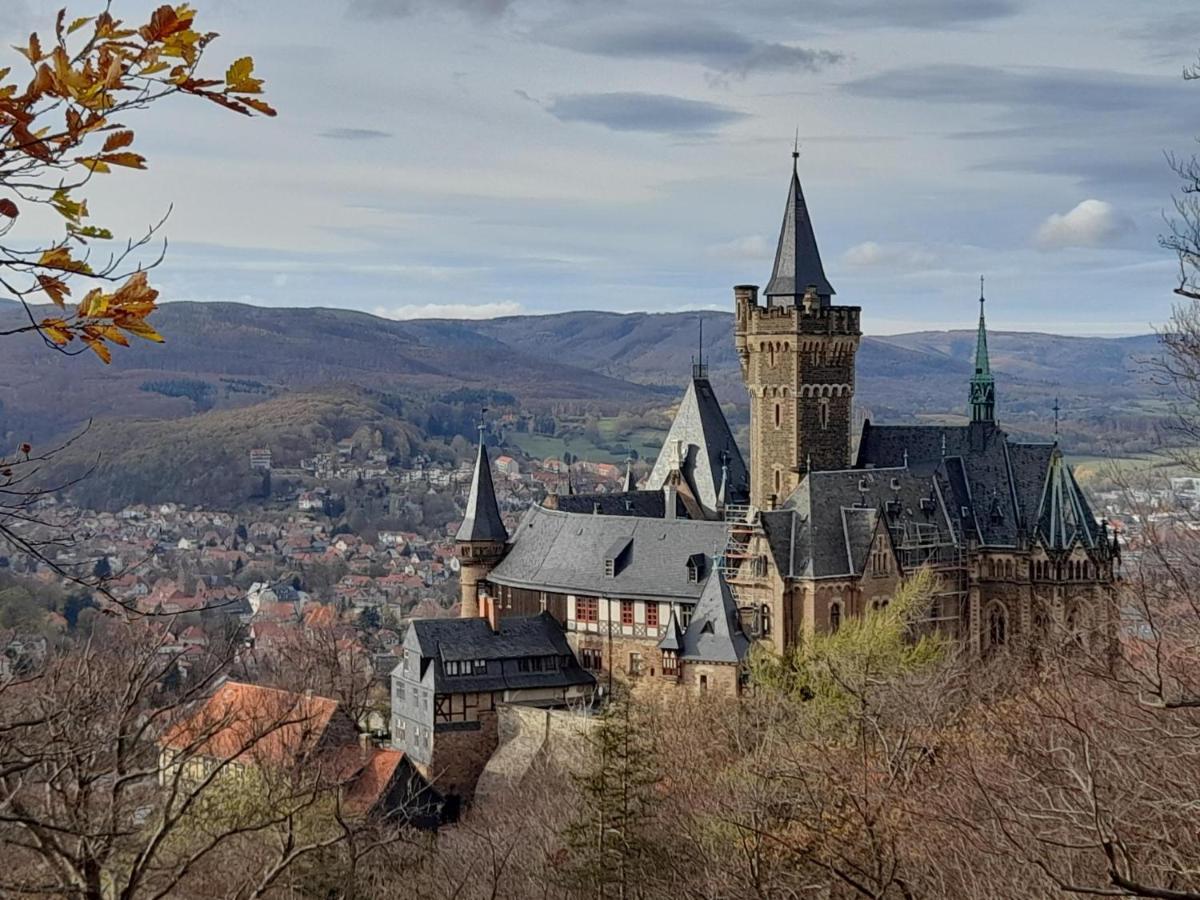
<point>704,682</point>
<point>765,620</point>
<point>635,663</point>
<point>685,617</point>
<point>835,617</point>
<point>651,615</point>
<point>997,626</point>
<point>398,692</point>
<point>610,568</point>
<point>778,415</point>
<point>670,663</point>
<point>587,609</point>
<point>453,667</point>
<point>778,480</point>
<point>591,658</point>
<point>480,666</point>
<point>824,412</point>
<point>626,612</point>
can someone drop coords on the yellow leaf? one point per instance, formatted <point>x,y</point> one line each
<point>112,333</point>
<point>78,23</point>
<point>98,348</point>
<point>239,71</point>
<point>94,163</point>
<point>94,303</point>
<point>140,329</point>
<point>55,330</point>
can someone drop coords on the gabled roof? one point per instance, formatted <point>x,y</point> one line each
<point>646,504</point>
<point>1063,519</point>
<point>826,527</point>
<point>564,553</point>
<point>797,260</point>
<point>482,521</point>
<point>701,437</point>
<point>715,633</point>
<point>254,724</point>
<point>439,641</point>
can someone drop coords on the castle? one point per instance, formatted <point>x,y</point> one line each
<point>671,584</point>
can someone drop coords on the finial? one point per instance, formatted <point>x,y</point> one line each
<point>698,368</point>
<point>482,426</point>
<point>1057,409</point>
<point>980,288</point>
<point>796,149</point>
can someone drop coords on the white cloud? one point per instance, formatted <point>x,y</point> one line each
<point>752,246</point>
<point>872,255</point>
<point>450,310</point>
<point>1090,224</point>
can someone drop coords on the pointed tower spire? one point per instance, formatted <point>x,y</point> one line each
<point>482,521</point>
<point>797,260</point>
<point>983,386</point>
<point>629,484</point>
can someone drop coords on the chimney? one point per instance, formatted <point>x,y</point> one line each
<point>595,507</point>
<point>491,612</point>
<point>669,492</point>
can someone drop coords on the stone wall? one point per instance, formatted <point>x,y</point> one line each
<point>530,738</point>
<point>460,752</point>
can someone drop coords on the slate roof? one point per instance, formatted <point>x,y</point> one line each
<point>709,450</point>
<point>994,486</point>
<point>797,260</point>
<point>520,637</point>
<point>826,526</point>
<point>1063,518</point>
<point>482,521</point>
<point>552,550</point>
<point>715,633</point>
<point>648,504</point>
<point>672,639</point>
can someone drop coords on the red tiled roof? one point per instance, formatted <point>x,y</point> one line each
<point>372,781</point>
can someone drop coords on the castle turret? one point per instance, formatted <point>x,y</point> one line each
<point>983,385</point>
<point>797,355</point>
<point>481,537</point>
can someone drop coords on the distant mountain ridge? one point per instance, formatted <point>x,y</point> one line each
<point>617,360</point>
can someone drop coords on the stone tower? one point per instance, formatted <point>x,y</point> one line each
<point>482,537</point>
<point>797,354</point>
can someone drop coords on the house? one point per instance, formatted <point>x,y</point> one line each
<point>508,467</point>
<point>260,458</point>
<point>291,735</point>
<point>452,675</point>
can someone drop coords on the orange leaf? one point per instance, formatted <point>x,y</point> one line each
<point>55,289</point>
<point>94,303</point>
<point>129,160</point>
<point>259,105</point>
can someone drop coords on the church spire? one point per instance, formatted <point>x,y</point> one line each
<point>983,386</point>
<point>797,260</point>
<point>482,521</point>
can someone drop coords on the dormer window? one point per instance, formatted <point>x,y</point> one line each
<point>695,568</point>
<point>617,556</point>
<point>610,568</point>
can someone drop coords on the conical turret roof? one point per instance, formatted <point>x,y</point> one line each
<point>715,634</point>
<point>482,521</point>
<point>797,260</point>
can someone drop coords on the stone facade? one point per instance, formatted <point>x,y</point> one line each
<point>798,366</point>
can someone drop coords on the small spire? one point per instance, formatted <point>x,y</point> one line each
<point>796,149</point>
<point>1057,409</point>
<point>983,386</point>
<point>629,485</point>
<point>482,521</point>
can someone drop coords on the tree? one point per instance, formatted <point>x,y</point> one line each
<point>64,126</point>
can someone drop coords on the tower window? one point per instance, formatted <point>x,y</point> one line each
<point>835,617</point>
<point>778,414</point>
<point>778,481</point>
<point>824,412</point>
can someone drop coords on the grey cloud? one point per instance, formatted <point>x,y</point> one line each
<point>709,44</point>
<point>660,113</point>
<point>396,9</point>
<point>908,14</point>
<point>355,134</point>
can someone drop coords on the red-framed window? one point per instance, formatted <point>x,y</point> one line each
<point>587,609</point>
<point>651,615</point>
<point>626,612</point>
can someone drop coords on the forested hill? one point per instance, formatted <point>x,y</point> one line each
<point>229,355</point>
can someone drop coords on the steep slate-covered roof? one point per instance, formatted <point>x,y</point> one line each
<point>715,632</point>
<point>482,521</point>
<point>994,485</point>
<point>797,260</point>
<point>520,637</point>
<point>648,504</point>
<point>826,527</point>
<point>563,552</point>
<point>708,446</point>
<point>673,638</point>
<point>1063,517</point>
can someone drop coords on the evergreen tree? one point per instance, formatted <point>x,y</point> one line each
<point>611,843</point>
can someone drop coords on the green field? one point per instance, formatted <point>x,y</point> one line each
<point>646,441</point>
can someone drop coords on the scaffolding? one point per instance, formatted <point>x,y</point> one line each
<point>921,544</point>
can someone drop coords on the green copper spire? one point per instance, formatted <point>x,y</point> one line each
<point>983,386</point>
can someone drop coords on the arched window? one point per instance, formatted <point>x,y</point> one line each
<point>778,481</point>
<point>778,414</point>
<point>766,620</point>
<point>997,624</point>
<point>835,617</point>
<point>824,413</point>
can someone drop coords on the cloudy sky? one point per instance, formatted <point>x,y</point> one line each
<point>484,157</point>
